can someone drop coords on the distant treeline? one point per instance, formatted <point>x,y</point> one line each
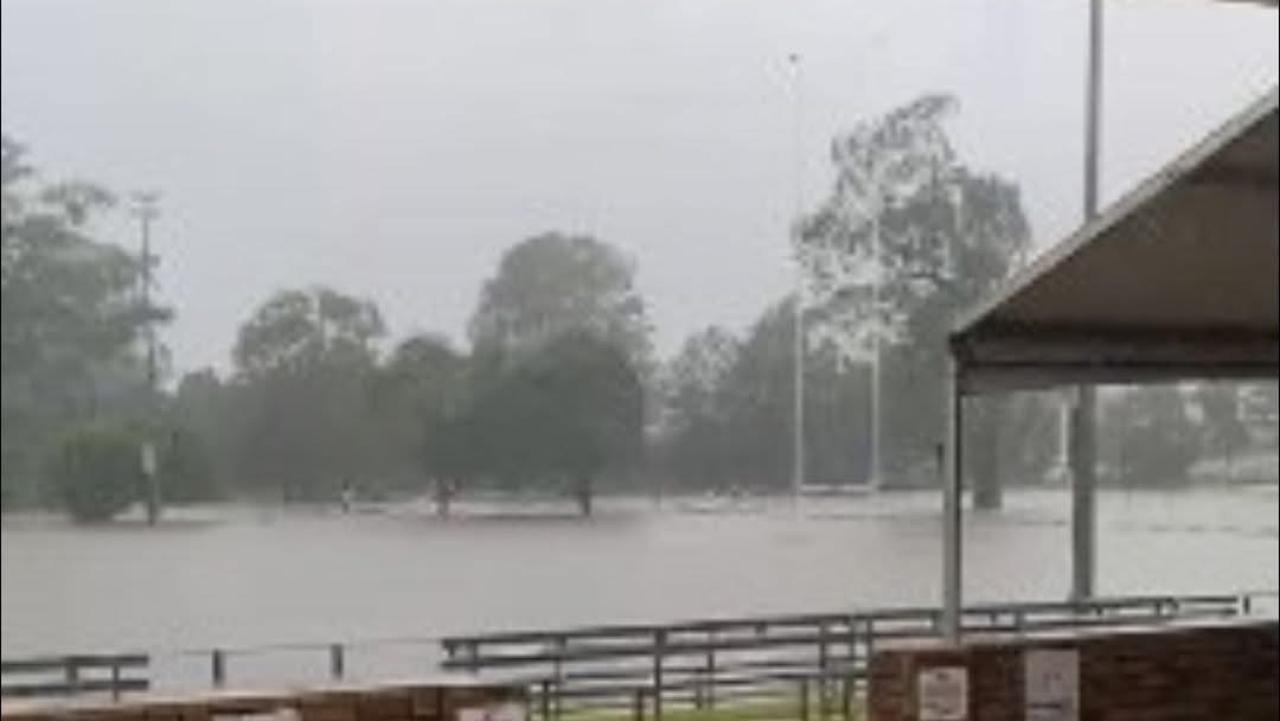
<point>557,388</point>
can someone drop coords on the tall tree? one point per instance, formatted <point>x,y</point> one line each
<point>421,395</point>
<point>937,237</point>
<point>553,284</point>
<point>304,361</point>
<point>729,409</point>
<point>564,416</point>
<point>694,441</point>
<point>71,316</point>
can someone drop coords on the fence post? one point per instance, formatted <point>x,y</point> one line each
<point>219,667</point>
<point>637,708</point>
<point>711,674</point>
<point>546,699</point>
<point>659,640</point>
<point>115,679</point>
<point>337,662</point>
<point>561,646</point>
<point>823,663</point>
<point>804,700</point>
<point>73,675</point>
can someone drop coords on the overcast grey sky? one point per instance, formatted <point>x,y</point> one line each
<point>395,149</point>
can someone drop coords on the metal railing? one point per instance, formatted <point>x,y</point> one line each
<point>113,674</point>
<point>819,661</point>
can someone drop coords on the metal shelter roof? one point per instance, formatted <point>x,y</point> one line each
<point>1178,279</point>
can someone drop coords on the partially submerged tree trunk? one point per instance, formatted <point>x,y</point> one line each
<point>984,453</point>
<point>444,497</point>
<point>583,492</point>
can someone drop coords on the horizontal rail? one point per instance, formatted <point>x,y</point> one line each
<point>35,690</point>
<point>761,624</point>
<point>83,661</point>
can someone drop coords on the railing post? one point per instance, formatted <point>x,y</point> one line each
<point>659,640</point>
<point>546,699</point>
<point>823,662</point>
<point>337,662</point>
<point>711,676</point>
<point>115,679</point>
<point>804,700</point>
<point>73,675</point>
<point>637,708</point>
<point>219,668</point>
<point>561,645</point>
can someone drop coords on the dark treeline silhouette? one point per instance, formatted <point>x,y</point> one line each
<point>557,389</point>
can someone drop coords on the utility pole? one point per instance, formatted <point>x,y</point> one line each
<point>1083,447</point>
<point>798,449</point>
<point>146,210</point>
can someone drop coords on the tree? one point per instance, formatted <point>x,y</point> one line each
<point>1147,437</point>
<point>1222,429</point>
<point>730,409</point>
<point>694,441</point>
<point>568,414</point>
<point>71,318</point>
<point>554,284</point>
<point>938,237</point>
<point>186,469</point>
<point>421,394</point>
<point>97,471</point>
<point>303,364</point>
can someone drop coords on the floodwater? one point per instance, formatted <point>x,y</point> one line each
<point>240,578</point>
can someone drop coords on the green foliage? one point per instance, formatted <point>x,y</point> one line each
<point>566,414</point>
<point>1147,438</point>
<point>939,237</point>
<point>71,318</point>
<point>554,284</point>
<point>303,419</point>
<point>730,409</point>
<point>97,471</point>
<point>420,395</point>
<point>1223,432</point>
<point>186,470</point>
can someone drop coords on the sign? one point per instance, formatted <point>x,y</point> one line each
<point>497,712</point>
<point>943,693</point>
<point>1052,684</point>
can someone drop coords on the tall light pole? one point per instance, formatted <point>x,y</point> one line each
<point>798,449</point>
<point>146,209</point>
<point>1082,449</point>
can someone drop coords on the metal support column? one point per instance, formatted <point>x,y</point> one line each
<point>952,510</point>
<point>1083,456</point>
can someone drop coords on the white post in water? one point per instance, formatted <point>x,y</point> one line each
<point>145,208</point>
<point>1083,427</point>
<point>798,450</point>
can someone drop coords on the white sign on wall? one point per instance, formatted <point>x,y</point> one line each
<point>942,693</point>
<point>1052,690</point>
<point>498,712</point>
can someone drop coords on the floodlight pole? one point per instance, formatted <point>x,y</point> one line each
<point>798,381</point>
<point>1082,449</point>
<point>145,208</point>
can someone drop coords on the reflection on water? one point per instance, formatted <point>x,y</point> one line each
<point>245,576</point>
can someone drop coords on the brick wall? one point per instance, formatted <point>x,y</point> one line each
<point>381,703</point>
<point>1218,672</point>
